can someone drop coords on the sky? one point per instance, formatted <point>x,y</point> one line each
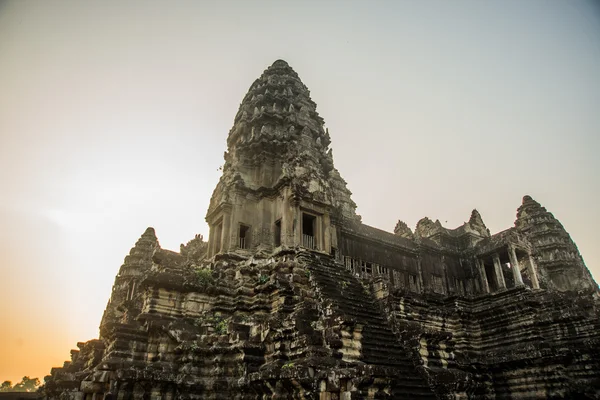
<point>114,116</point>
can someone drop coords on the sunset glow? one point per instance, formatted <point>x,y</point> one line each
<point>114,117</point>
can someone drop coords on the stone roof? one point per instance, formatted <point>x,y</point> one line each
<point>370,232</point>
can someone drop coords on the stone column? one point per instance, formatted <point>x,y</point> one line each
<point>319,228</point>
<point>297,223</point>
<point>334,238</point>
<point>211,241</point>
<point>484,281</point>
<point>514,263</point>
<point>233,227</point>
<point>420,282</point>
<point>287,221</point>
<point>326,240</point>
<point>114,387</point>
<point>535,283</point>
<point>445,281</point>
<point>498,270</point>
<point>226,234</point>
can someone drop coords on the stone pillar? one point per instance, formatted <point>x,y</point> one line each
<point>326,235</point>
<point>445,280</point>
<point>484,281</point>
<point>233,227</point>
<point>226,234</point>
<point>498,270</point>
<point>319,229</point>
<point>211,241</point>
<point>535,283</point>
<point>287,221</point>
<point>113,388</point>
<point>297,224</point>
<point>334,237</point>
<point>420,282</point>
<point>514,263</point>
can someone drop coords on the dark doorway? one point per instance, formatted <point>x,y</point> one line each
<point>244,236</point>
<point>491,277</point>
<point>308,230</point>
<point>507,272</point>
<point>278,233</point>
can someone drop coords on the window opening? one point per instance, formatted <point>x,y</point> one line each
<point>459,286</point>
<point>244,236</point>
<point>278,233</point>
<point>348,262</point>
<point>509,279</point>
<point>399,279</point>
<point>308,230</point>
<point>491,277</point>
<point>412,283</point>
<point>438,284</point>
<point>382,270</point>
<point>130,290</point>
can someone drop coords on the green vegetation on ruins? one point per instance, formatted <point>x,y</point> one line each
<point>26,385</point>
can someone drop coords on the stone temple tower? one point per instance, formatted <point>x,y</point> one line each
<point>279,185</point>
<point>293,297</point>
<point>560,265</point>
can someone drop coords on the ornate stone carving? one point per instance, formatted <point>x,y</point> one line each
<point>403,230</point>
<point>321,306</point>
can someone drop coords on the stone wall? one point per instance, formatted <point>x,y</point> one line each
<point>313,304</point>
<point>513,344</point>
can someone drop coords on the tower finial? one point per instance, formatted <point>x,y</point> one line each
<point>527,198</point>
<point>280,63</point>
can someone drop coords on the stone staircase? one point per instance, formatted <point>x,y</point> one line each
<point>353,304</point>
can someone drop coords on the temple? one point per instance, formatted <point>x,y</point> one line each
<point>293,297</point>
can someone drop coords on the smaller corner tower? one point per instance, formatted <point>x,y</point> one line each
<point>125,302</point>
<point>559,261</point>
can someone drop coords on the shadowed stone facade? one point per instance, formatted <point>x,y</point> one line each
<point>293,297</point>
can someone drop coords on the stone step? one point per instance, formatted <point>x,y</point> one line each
<point>379,345</point>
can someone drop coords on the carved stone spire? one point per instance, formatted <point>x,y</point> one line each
<point>125,298</point>
<point>140,255</point>
<point>476,223</point>
<point>427,228</point>
<point>527,212</point>
<point>561,266</point>
<point>278,139</point>
<point>403,230</point>
<point>278,99</point>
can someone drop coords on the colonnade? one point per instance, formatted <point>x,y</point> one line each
<point>515,268</point>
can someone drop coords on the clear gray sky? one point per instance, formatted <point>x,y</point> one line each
<point>114,115</point>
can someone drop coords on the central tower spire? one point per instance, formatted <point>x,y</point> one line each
<point>279,185</point>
